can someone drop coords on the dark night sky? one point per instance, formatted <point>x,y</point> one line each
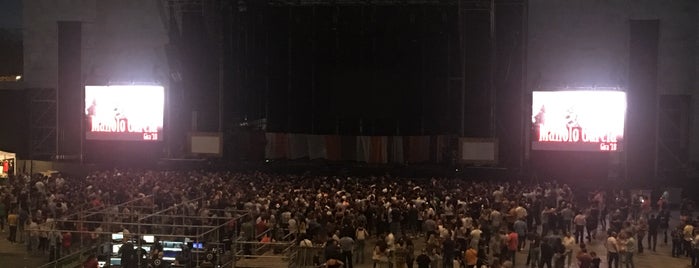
<point>10,13</point>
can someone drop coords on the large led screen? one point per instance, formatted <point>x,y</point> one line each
<point>124,112</point>
<point>578,120</point>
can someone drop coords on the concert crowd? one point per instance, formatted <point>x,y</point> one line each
<point>389,221</point>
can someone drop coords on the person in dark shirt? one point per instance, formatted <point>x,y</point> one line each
<point>595,260</point>
<point>534,249</point>
<point>128,255</point>
<point>546,255</point>
<point>423,261</point>
<point>448,250</point>
<point>332,250</point>
<point>653,224</point>
<point>664,219</point>
<point>676,242</point>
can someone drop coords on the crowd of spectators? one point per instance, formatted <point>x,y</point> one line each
<point>459,222</point>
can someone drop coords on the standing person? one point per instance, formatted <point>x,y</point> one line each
<point>567,215</point>
<point>448,250</point>
<point>584,259</point>
<point>380,255</point>
<point>361,234</point>
<point>400,255</point>
<point>676,235</point>
<point>579,221</point>
<point>33,242</point>
<point>568,242</point>
<point>695,250</point>
<point>641,232</point>
<point>547,253</point>
<point>66,241</point>
<point>430,227</point>
<point>546,223</point>
<point>520,226</point>
<point>410,249</point>
<point>293,228</point>
<point>595,260</point>
<point>534,250</point>
<point>12,222</point>
<point>559,257</point>
<point>91,262</point>
<point>346,247</point>
<point>512,246</point>
<point>653,224</point>
<point>23,217</point>
<point>306,251</point>
<point>248,233</point>
<point>128,254</point>
<point>612,251</point>
<point>471,257</point>
<point>688,233</point>
<point>664,223</point>
<point>630,249</point>
<point>475,236</point>
<point>623,247</point>
<point>591,222</point>
<point>423,260</point>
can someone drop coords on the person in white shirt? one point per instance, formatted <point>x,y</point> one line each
<point>495,220</point>
<point>612,250</point>
<point>293,227</point>
<point>33,230</point>
<point>306,252</point>
<point>579,221</point>
<point>568,242</point>
<point>475,236</point>
<point>390,241</point>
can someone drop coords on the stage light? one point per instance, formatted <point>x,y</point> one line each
<point>17,78</point>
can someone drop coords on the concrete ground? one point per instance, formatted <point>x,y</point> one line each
<point>14,255</point>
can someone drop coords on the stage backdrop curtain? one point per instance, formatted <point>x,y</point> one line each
<point>438,146</point>
<point>317,147</point>
<point>349,148</point>
<point>418,149</point>
<point>363,148</point>
<point>333,146</point>
<point>378,150</point>
<point>276,146</point>
<point>298,146</point>
<point>395,149</point>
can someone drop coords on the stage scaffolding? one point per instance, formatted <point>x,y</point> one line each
<point>143,217</point>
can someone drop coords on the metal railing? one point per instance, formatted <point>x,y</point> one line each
<point>144,220</point>
<point>264,254</point>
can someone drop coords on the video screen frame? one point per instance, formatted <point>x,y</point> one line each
<point>578,120</point>
<point>124,112</point>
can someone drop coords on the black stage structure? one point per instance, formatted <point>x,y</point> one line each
<point>413,67</point>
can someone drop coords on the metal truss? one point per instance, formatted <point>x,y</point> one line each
<point>42,122</point>
<point>673,133</point>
